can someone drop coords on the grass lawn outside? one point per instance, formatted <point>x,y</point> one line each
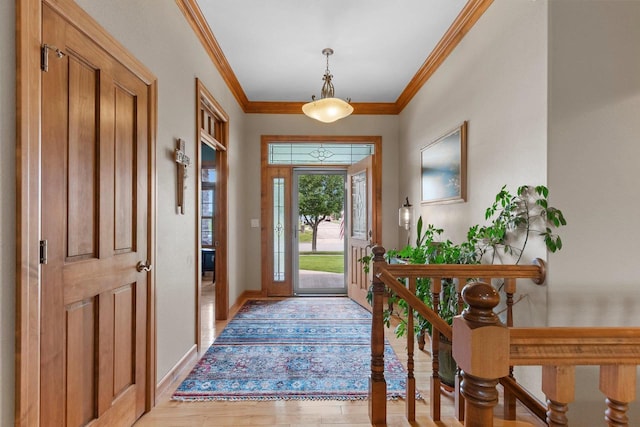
<point>305,237</point>
<point>331,262</point>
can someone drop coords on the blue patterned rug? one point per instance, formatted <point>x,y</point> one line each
<point>298,348</point>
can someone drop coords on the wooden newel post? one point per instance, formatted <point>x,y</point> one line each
<point>377,383</point>
<point>481,349</point>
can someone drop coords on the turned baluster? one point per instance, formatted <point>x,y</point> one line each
<point>558,384</point>
<point>509,399</point>
<point>377,383</point>
<point>411,381</point>
<point>510,289</point>
<point>458,398</point>
<point>436,288</point>
<point>618,383</point>
<point>481,349</point>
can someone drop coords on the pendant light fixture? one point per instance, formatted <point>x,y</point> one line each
<point>327,109</point>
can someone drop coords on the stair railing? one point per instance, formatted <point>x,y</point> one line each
<point>485,348</point>
<point>386,277</point>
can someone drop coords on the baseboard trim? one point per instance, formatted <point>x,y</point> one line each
<point>178,372</point>
<point>175,374</point>
<point>246,295</point>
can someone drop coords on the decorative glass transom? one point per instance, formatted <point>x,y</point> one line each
<point>292,153</point>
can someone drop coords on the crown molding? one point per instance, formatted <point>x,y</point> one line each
<point>267,107</point>
<point>199,24</point>
<point>467,18</point>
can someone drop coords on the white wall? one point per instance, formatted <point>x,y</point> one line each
<point>160,37</point>
<point>584,57</point>
<point>495,79</point>
<point>594,150</point>
<point>7,210</point>
<point>270,124</point>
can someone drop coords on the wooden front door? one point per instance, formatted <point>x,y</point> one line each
<point>361,231</point>
<point>95,208</point>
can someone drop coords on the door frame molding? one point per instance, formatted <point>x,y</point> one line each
<point>203,95</point>
<point>28,205</point>
<point>266,210</point>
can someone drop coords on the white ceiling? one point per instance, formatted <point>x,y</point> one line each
<point>275,47</point>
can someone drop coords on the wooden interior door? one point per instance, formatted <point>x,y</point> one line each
<point>95,207</point>
<point>360,208</point>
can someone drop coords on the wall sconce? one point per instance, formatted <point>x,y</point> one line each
<point>405,217</point>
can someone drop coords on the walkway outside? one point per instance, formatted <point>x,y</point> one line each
<point>329,240</point>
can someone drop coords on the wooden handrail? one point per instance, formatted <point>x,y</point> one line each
<point>392,283</point>
<point>528,400</point>
<point>535,272</point>
<point>574,346</point>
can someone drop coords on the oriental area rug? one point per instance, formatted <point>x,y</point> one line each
<point>298,348</point>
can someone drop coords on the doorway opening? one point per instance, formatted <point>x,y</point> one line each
<point>208,178</point>
<point>359,160</point>
<point>212,294</point>
<point>319,245</point>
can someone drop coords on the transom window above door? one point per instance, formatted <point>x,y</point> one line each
<point>292,153</point>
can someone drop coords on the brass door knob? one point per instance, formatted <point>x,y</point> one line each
<point>144,266</point>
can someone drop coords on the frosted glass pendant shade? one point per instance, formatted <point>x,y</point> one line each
<point>327,110</point>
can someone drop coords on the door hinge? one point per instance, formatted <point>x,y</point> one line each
<point>43,251</point>
<point>44,55</point>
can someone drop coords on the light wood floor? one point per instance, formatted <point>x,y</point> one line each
<point>207,314</point>
<point>302,413</point>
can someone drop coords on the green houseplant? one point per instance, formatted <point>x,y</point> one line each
<point>430,249</point>
<point>513,219</point>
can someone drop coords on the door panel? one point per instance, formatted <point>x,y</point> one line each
<point>360,226</point>
<point>124,333</point>
<point>94,218</point>
<point>81,350</point>
<point>125,170</point>
<point>81,208</point>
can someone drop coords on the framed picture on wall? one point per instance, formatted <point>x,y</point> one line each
<point>443,169</point>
